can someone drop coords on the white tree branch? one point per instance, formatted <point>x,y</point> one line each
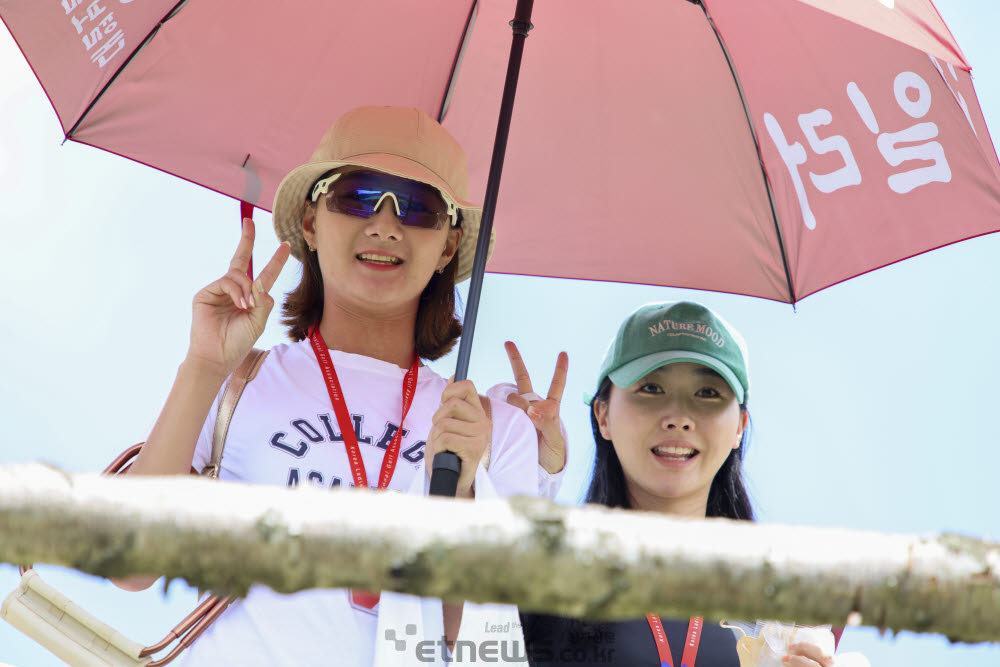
<point>586,562</point>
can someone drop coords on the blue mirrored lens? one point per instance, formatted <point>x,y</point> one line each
<point>359,192</point>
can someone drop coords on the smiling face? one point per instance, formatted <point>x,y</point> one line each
<point>672,431</point>
<point>376,265</point>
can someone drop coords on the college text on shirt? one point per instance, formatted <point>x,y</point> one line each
<point>323,430</point>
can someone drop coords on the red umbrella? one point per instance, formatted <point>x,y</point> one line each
<point>796,142</point>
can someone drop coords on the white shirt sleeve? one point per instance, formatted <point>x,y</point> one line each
<point>513,452</point>
<point>548,483</point>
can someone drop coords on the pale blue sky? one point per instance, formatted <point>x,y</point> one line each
<point>873,402</point>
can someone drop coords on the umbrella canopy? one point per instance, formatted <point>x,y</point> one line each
<point>797,143</point>
<point>865,143</point>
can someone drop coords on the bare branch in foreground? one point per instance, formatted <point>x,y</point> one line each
<point>587,562</point>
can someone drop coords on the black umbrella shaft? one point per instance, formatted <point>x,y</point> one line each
<point>446,465</point>
<point>521,25</point>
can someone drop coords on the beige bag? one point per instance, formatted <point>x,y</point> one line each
<point>54,621</point>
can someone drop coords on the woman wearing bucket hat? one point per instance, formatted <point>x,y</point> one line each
<point>670,426</point>
<point>380,220</point>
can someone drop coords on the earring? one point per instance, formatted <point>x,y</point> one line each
<point>440,271</point>
<point>309,245</point>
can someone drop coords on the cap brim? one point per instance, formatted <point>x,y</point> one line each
<point>290,198</point>
<point>635,370</point>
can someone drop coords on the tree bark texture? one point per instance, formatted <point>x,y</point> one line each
<point>587,562</point>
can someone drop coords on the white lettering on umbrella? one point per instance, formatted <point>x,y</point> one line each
<point>104,55</point>
<point>794,156</point>
<point>864,109</point>
<point>98,28</point>
<point>957,95</point>
<point>847,175</point>
<point>891,4</point>
<point>888,142</point>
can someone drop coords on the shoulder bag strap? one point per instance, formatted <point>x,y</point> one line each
<point>488,407</point>
<point>245,372</point>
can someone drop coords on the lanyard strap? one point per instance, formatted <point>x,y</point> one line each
<point>347,424</point>
<point>690,644</point>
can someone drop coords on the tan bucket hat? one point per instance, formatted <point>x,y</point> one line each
<point>400,141</point>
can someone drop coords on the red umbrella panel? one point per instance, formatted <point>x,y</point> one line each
<point>763,147</point>
<point>231,95</point>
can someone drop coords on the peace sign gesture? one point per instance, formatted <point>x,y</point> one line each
<point>230,313</point>
<point>543,413</point>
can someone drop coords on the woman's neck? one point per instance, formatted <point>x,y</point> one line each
<point>388,337</point>
<point>693,507</point>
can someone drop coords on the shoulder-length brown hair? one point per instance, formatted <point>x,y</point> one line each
<point>437,326</point>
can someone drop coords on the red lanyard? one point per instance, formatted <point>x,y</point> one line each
<point>347,424</point>
<point>690,644</point>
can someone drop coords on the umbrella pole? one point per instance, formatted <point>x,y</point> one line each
<point>520,25</point>
<point>446,465</point>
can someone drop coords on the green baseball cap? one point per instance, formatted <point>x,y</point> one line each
<point>664,333</point>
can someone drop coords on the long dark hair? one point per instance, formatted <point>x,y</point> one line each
<point>437,326</point>
<point>727,496</point>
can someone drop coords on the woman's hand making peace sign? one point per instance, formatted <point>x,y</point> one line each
<point>230,313</point>
<point>543,413</point>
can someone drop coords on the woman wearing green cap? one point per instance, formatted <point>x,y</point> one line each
<point>670,426</point>
<point>380,220</point>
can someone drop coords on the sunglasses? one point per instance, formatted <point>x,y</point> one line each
<point>361,193</point>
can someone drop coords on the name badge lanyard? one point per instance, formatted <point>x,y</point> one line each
<point>690,644</point>
<point>347,424</point>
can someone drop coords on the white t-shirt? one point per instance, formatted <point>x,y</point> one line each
<point>284,432</point>
<point>549,483</point>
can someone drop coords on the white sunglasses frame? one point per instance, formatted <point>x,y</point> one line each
<point>322,187</point>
